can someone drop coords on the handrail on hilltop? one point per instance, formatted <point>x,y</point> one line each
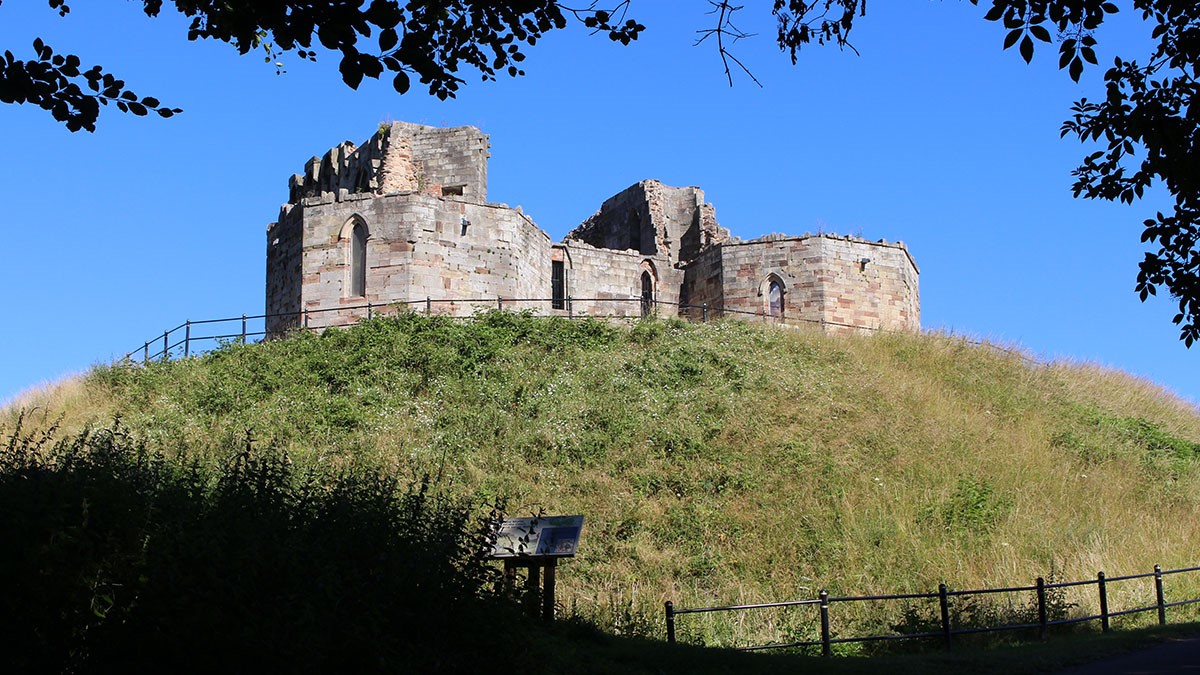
<point>171,341</point>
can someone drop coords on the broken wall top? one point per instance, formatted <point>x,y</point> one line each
<point>400,157</point>
<point>654,219</point>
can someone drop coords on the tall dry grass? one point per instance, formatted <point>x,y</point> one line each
<point>69,403</point>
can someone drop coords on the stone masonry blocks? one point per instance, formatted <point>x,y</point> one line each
<point>434,242</point>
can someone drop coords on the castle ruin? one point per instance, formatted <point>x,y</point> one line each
<point>404,219</point>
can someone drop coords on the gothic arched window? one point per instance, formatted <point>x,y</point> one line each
<point>358,259</point>
<point>775,298</point>
<point>647,293</point>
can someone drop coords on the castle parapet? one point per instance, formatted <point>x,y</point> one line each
<point>400,157</point>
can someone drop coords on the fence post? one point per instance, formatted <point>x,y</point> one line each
<point>1103,601</point>
<point>243,329</point>
<point>368,310</point>
<point>944,603</point>
<point>145,353</point>
<point>825,648</point>
<point>166,347</point>
<point>500,304</point>
<point>670,611</point>
<point>570,309</point>
<point>704,313</point>
<point>305,318</point>
<point>187,338</point>
<point>428,305</point>
<point>1158,593</point>
<point>1041,599</point>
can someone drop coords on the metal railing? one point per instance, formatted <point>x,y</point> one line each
<point>192,337</point>
<point>946,631</point>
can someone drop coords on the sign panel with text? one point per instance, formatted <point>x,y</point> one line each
<point>538,537</point>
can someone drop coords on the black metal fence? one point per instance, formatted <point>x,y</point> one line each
<point>192,337</point>
<point>946,631</point>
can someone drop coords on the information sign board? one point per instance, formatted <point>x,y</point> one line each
<point>538,537</point>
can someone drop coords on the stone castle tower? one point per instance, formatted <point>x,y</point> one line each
<point>404,218</point>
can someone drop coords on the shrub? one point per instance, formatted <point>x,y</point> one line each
<point>120,559</point>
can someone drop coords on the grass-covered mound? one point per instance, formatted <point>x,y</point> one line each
<point>719,463</point>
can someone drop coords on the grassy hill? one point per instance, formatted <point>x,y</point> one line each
<point>715,464</point>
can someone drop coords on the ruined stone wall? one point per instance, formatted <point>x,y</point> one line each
<point>390,226</point>
<point>418,247</point>
<point>880,294</point>
<point>746,268</point>
<point>654,220</point>
<point>598,277</point>
<point>689,224</point>
<point>401,157</point>
<point>825,281</point>
<point>470,252</point>
<point>284,275</point>
<point>421,193</point>
<point>449,159</point>
<point>476,252</point>
<point>531,268</point>
<point>703,283</point>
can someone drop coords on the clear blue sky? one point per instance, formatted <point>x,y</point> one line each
<point>933,136</point>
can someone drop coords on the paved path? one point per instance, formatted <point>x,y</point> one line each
<point>1172,657</point>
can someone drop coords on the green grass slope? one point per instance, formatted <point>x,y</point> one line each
<point>720,463</point>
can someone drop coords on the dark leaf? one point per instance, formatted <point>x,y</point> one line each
<point>370,66</point>
<point>400,83</point>
<point>1076,68</point>
<point>352,74</point>
<point>388,38</point>
<point>1027,49</point>
<point>1011,38</point>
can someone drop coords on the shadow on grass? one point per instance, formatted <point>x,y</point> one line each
<point>581,649</point>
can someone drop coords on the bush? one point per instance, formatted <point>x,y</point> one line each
<point>119,559</point>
